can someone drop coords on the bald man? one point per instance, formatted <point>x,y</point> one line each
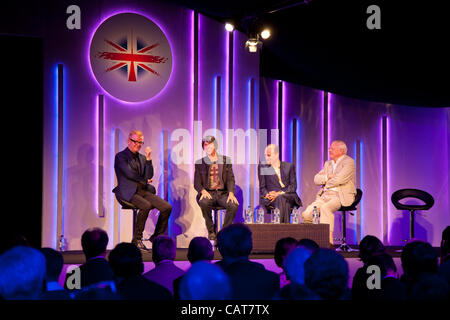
<point>338,187</point>
<point>278,183</point>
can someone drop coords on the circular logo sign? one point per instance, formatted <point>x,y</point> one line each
<point>130,57</point>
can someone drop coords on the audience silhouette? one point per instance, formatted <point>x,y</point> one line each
<point>312,273</point>
<point>126,262</point>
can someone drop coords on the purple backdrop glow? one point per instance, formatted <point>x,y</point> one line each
<point>418,138</point>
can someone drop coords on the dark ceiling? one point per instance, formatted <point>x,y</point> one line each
<point>326,44</point>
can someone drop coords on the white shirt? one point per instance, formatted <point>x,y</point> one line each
<point>334,165</point>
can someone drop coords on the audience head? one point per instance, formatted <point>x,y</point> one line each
<point>54,261</point>
<point>94,242</point>
<point>235,241</point>
<point>126,260</point>
<point>445,244</point>
<point>309,245</point>
<point>164,248</point>
<point>294,265</point>
<point>370,246</point>
<point>386,264</point>
<point>282,248</point>
<point>22,273</point>
<point>429,286</point>
<point>205,281</point>
<point>200,249</point>
<point>326,273</point>
<point>10,239</point>
<point>419,256</point>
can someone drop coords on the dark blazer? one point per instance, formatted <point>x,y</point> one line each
<point>164,273</point>
<point>268,180</point>
<point>139,288</point>
<point>251,281</point>
<point>202,170</point>
<point>128,177</point>
<point>94,271</point>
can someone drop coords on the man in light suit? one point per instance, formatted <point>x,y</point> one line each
<point>338,187</point>
<point>278,183</point>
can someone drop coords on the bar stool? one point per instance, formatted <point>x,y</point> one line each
<point>412,193</point>
<point>344,246</point>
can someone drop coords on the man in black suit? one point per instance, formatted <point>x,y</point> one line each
<point>126,262</point>
<point>134,172</point>
<point>214,182</point>
<point>249,280</point>
<point>278,183</point>
<point>96,269</point>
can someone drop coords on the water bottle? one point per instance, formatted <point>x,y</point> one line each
<point>276,215</point>
<point>249,215</point>
<point>294,216</point>
<point>62,243</point>
<point>315,215</point>
<point>260,218</point>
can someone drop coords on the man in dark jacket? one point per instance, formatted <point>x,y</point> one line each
<point>134,172</point>
<point>278,184</point>
<point>214,182</point>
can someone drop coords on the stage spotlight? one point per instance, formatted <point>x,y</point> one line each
<point>265,34</point>
<point>229,27</point>
<point>252,44</point>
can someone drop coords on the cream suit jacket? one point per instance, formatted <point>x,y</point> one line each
<point>344,180</point>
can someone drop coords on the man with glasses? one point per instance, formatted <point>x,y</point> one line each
<point>134,172</point>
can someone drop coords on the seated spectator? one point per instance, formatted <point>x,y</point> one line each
<point>369,246</point>
<point>126,262</point>
<point>165,271</point>
<point>205,281</point>
<point>308,244</point>
<point>282,248</point>
<point>249,280</point>
<point>53,290</point>
<point>96,269</point>
<point>22,274</point>
<point>444,267</point>
<point>295,272</point>
<point>326,273</point>
<point>429,286</point>
<point>391,288</point>
<point>417,257</point>
<point>200,249</point>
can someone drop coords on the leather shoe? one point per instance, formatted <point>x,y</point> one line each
<point>140,245</point>
<point>212,236</point>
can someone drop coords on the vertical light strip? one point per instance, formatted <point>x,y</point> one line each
<point>100,165</point>
<point>60,152</point>
<point>217,103</point>
<point>358,185</point>
<point>115,146</point>
<point>329,107</point>
<point>253,144</point>
<point>55,225</point>
<point>361,183</point>
<point>280,119</point>
<point>325,120</point>
<point>194,86</point>
<point>299,156</point>
<point>384,154</point>
<point>284,122</point>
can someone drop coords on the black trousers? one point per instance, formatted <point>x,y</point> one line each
<point>146,201</point>
<point>219,198</point>
<point>284,202</point>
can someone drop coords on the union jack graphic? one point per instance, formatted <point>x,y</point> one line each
<point>129,55</point>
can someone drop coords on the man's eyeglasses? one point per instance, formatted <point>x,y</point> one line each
<point>137,142</point>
